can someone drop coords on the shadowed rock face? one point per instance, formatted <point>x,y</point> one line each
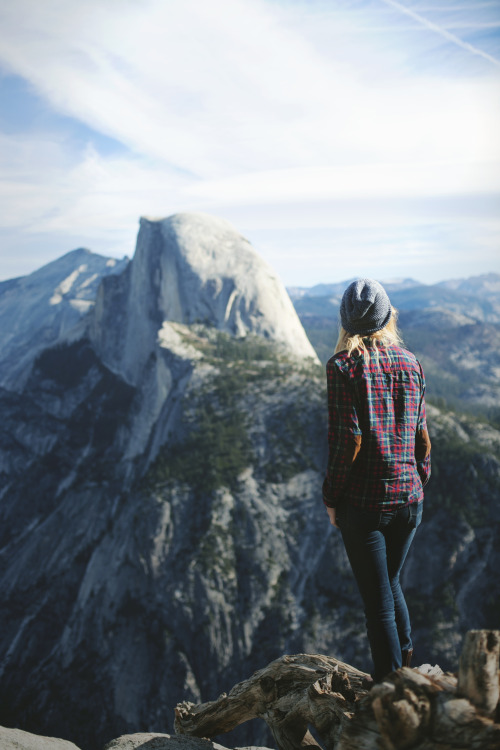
<point>161,527</point>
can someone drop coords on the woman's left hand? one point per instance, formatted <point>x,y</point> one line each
<point>332,516</point>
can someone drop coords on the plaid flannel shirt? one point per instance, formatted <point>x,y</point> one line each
<point>379,447</point>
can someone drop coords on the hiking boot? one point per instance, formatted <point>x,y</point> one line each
<point>406,656</point>
<point>367,683</point>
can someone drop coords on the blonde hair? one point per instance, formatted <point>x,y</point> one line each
<point>355,342</point>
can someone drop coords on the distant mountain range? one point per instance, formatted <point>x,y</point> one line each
<point>476,298</point>
<point>337,289</point>
<point>453,327</point>
<point>162,450</point>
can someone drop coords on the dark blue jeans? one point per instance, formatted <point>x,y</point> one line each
<point>377,544</point>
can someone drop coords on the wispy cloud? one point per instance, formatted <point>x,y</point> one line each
<point>442,31</point>
<point>44,188</point>
<point>193,84</point>
<point>384,180</point>
<point>262,111</point>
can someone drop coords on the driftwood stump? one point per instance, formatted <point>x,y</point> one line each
<point>420,708</point>
<point>478,674</point>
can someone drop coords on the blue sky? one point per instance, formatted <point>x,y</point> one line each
<point>342,138</point>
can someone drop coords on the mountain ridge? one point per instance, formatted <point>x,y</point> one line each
<point>39,309</point>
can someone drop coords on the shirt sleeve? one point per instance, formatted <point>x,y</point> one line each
<point>422,440</point>
<point>344,434</point>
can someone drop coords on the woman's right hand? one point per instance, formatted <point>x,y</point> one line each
<point>332,516</point>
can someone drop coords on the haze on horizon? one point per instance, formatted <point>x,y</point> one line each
<point>342,138</point>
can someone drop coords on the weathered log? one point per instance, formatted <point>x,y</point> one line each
<point>478,671</point>
<point>289,694</point>
<point>412,708</point>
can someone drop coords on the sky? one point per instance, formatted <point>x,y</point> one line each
<point>343,138</point>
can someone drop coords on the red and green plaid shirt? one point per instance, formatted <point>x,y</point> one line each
<point>379,448</point>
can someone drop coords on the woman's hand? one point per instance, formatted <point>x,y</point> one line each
<point>332,516</point>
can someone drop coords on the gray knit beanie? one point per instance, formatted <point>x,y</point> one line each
<point>365,307</point>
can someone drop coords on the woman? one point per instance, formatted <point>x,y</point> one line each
<point>379,461</point>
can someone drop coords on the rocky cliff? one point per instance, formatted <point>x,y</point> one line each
<point>161,527</point>
<point>191,268</point>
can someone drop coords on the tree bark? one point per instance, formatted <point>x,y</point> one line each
<point>413,708</point>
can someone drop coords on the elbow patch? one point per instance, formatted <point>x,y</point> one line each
<point>357,447</point>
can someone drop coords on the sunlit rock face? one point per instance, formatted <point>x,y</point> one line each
<point>187,269</point>
<point>192,268</point>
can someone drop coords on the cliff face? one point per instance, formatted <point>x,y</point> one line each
<point>191,268</point>
<point>161,526</point>
<point>187,269</point>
